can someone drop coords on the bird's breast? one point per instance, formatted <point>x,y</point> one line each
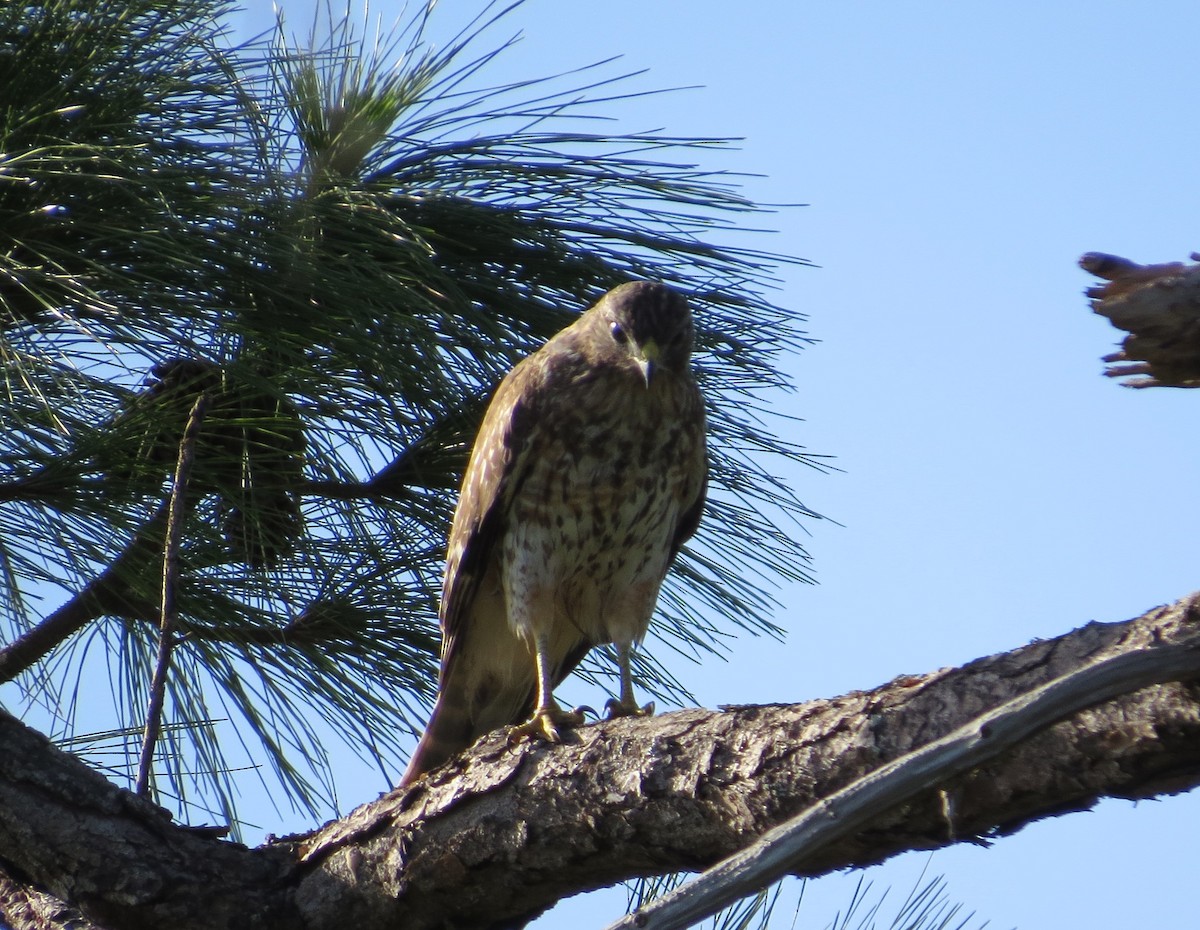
<point>588,536</point>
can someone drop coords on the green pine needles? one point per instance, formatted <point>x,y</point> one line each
<point>342,249</point>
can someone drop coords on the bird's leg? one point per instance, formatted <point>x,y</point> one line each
<point>625,705</point>
<point>547,715</point>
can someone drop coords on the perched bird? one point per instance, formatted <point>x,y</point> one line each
<point>588,474</point>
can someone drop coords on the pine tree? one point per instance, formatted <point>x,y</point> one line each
<point>300,270</point>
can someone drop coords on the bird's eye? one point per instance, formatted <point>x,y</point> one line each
<point>618,333</point>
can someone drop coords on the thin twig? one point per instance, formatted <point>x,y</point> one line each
<point>782,850</point>
<point>166,623</point>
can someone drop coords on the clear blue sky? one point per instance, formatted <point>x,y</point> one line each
<point>956,159</point>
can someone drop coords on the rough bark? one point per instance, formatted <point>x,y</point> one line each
<point>503,833</point>
<point>27,907</point>
<point>1159,307</point>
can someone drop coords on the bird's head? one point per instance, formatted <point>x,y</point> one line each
<point>649,324</point>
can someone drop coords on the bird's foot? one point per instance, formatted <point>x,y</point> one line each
<point>627,708</point>
<point>546,723</point>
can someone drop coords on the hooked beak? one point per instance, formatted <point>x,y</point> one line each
<point>648,360</point>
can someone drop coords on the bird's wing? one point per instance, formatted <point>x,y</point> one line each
<point>689,519</point>
<point>494,472</point>
<point>693,508</point>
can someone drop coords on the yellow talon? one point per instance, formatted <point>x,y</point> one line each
<point>618,708</point>
<point>545,724</point>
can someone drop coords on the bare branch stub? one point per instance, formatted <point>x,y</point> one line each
<point>1159,307</point>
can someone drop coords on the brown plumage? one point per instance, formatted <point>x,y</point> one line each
<point>588,474</point>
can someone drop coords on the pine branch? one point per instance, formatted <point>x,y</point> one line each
<point>628,798</point>
<point>787,847</point>
<point>22,906</point>
<point>177,510</point>
<point>109,592</point>
<point>346,243</point>
<point>1158,306</point>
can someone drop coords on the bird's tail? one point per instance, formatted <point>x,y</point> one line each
<point>467,709</point>
<point>450,730</point>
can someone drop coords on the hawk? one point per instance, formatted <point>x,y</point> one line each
<point>588,474</point>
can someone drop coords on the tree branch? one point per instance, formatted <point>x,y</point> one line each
<point>177,509</point>
<point>110,591</point>
<point>68,831</point>
<point>23,906</point>
<point>500,834</point>
<point>1158,306</point>
<point>785,848</point>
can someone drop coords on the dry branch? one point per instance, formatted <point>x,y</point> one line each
<point>504,833</point>
<point>1159,307</point>
<point>788,847</point>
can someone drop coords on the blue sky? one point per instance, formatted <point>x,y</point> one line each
<point>956,160</point>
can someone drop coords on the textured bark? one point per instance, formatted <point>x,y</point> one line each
<point>1159,307</point>
<point>27,907</point>
<point>502,833</point>
<point>70,832</point>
